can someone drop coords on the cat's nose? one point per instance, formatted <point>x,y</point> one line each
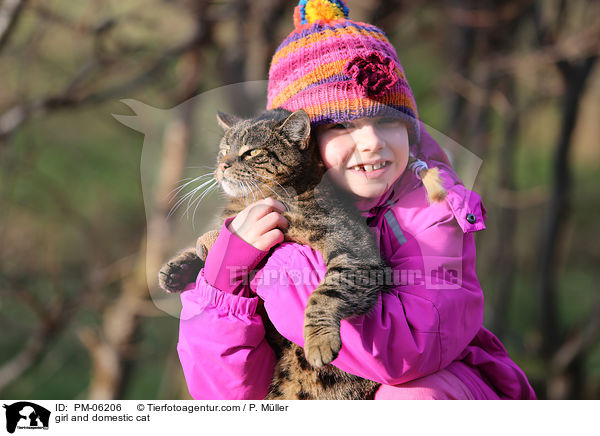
<point>224,165</point>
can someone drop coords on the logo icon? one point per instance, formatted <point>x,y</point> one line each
<point>26,415</point>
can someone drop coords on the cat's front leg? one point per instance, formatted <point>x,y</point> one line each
<point>321,344</point>
<point>181,270</point>
<point>205,242</point>
<point>345,291</point>
<point>175,275</point>
<point>322,341</point>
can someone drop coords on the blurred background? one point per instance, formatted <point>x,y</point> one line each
<point>517,83</point>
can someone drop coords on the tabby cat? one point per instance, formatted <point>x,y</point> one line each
<point>276,153</point>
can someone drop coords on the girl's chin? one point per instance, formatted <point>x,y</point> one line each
<point>371,193</point>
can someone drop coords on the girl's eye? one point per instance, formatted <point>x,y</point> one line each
<point>339,126</point>
<point>389,121</point>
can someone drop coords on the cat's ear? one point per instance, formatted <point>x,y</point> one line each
<point>226,121</point>
<point>297,127</point>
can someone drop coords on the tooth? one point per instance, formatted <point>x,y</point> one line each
<point>377,166</point>
<point>368,167</point>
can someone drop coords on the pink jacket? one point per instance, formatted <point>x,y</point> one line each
<point>432,319</point>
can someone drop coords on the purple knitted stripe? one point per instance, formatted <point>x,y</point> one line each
<point>337,93</point>
<point>295,36</point>
<point>336,78</point>
<point>337,116</point>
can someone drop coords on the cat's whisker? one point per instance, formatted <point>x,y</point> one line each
<point>199,198</point>
<point>246,193</point>
<point>273,191</point>
<point>189,180</point>
<point>180,202</point>
<point>203,167</point>
<point>189,195</point>
<point>173,193</point>
<point>178,189</point>
<point>279,184</point>
<point>245,189</point>
<point>200,201</point>
<point>254,192</point>
<point>251,190</point>
<point>258,187</point>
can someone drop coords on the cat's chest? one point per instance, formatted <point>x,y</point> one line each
<point>300,229</point>
<point>305,220</point>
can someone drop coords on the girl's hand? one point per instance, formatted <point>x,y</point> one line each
<point>260,224</point>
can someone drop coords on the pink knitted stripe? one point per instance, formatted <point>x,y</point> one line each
<point>309,58</point>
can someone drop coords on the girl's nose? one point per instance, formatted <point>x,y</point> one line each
<point>368,139</point>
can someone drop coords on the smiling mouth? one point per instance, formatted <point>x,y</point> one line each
<point>368,168</point>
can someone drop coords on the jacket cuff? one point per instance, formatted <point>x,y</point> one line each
<point>230,260</point>
<point>200,295</point>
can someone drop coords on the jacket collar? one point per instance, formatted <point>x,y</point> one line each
<point>374,209</point>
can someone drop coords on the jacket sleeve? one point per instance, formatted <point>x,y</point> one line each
<point>417,328</point>
<point>222,346</point>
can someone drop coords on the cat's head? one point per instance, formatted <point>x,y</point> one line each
<point>264,154</point>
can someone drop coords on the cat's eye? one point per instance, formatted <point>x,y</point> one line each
<point>253,153</point>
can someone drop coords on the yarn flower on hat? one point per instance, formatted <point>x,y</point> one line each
<point>374,73</point>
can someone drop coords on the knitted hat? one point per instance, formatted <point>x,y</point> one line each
<point>339,70</point>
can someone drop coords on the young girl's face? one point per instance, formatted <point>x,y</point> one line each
<point>365,156</point>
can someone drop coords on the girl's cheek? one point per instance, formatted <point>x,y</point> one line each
<point>327,154</point>
<point>335,154</point>
<point>325,159</point>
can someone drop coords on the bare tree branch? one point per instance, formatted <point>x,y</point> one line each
<point>10,11</point>
<point>487,17</point>
<point>574,76</point>
<point>111,350</point>
<point>581,342</point>
<point>17,115</point>
<point>51,322</point>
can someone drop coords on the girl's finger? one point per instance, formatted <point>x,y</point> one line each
<point>271,221</point>
<point>272,204</point>
<point>276,204</point>
<point>270,239</point>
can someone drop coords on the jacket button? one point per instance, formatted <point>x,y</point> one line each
<point>471,218</point>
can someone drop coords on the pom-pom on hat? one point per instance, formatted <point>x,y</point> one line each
<point>339,70</point>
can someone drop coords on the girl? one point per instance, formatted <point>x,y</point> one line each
<point>424,339</point>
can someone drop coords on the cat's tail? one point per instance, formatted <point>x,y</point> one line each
<point>430,177</point>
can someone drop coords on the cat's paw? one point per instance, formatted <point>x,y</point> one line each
<point>321,346</point>
<point>177,273</point>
